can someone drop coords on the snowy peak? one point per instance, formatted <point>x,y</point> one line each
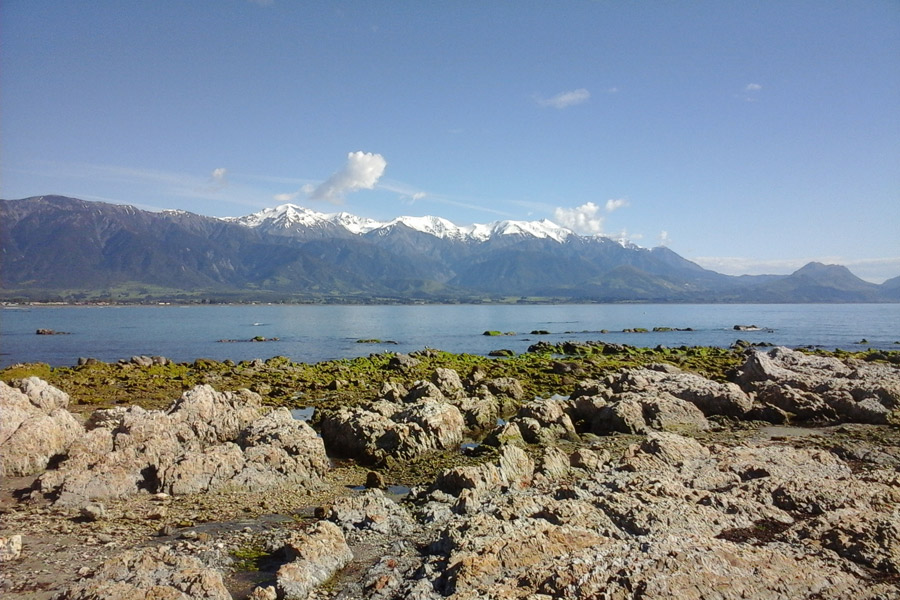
<point>543,229</point>
<point>285,216</point>
<point>290,217</point>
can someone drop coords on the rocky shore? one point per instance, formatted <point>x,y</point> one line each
<point>578,471</point>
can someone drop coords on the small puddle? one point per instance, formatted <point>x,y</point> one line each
<point>304,413</point>
<point>772,432</point>
<point>397,491</point>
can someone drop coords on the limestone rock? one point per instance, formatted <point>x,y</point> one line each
<point>315,555</point>
<point>10,547</point>
<point>711,397</point>
<point>368,510</point>
<point>402,433</point>
<point>639,412</point>
<point>155,572</point>
<point>35,427</point>
<point>824,389</point>
<point>206,441</point>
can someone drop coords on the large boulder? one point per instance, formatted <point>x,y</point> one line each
<point>711,397</point>
<point>314,556</point>
<point>640,412</point>
<point>206,441</point>
<point>35,427</point>
<point>375,432</point>
<point>821,389</point>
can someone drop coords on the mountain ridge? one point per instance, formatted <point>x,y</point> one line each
<point>53,247</point>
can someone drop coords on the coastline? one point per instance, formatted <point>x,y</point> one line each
<point>385,504</point>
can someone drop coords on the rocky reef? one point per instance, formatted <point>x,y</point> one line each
<point>634,474</point>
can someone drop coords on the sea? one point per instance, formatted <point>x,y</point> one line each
<point>315,333</point>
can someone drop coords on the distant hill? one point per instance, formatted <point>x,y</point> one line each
<point>58,248</point>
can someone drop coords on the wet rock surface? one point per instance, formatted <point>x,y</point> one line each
<point>650,482</point>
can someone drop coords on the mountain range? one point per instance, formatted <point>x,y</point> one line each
<point>58,248</point>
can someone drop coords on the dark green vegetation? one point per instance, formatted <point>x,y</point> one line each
<point>545,370</point>
<point>64,249</point>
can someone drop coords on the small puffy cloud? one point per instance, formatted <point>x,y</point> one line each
<point>362,172</point>
<point>585,219</point>
<point>614,203</point>
<point>220,176</point>
<point>286,198</point>
<point>664,238</point>
<point>753,87</point>
<point>566,99</point>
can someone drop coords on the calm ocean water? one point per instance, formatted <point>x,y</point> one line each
<point>316,333</point>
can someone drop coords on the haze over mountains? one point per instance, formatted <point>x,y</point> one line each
<point>57,248</point>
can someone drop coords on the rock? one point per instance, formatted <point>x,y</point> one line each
<point>400,361</point>
<point>154,572</point>
<point>35,427</point>
<point>280,450</point>
<point>448,382</point>
<point>369,510</point>
<point>551,419</point>
<point>93,511</point>
<point>865,537</point>
<point>43,395</point>
<point>206,441</point>
<point>264,593</point>
<point>709,396</point>
<point>633,412</point>
<point>399,432</point>
<point>514,469</point>
<point>142,361</point>
<point>10,547</point>
<point>375,480</point>
<point>201,471</point>
<point>480,412</point>
<point>672,518</point>
<point>315,555</point>
<point>505,434</point>
<point>823,389</point>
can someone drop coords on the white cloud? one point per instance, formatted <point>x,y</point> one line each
<point>585,219</point>
<point>362,171</point>
<point>219,178</point>
<point>614,203</point>
<point>664,238</point>
<point>753,87</point>
<point>566,99</point>
<point>286,198</point>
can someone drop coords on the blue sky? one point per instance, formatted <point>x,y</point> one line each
<point>751,137</point>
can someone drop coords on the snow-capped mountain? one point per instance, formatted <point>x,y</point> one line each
<point>292,219</point>
<point>57,247</point>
